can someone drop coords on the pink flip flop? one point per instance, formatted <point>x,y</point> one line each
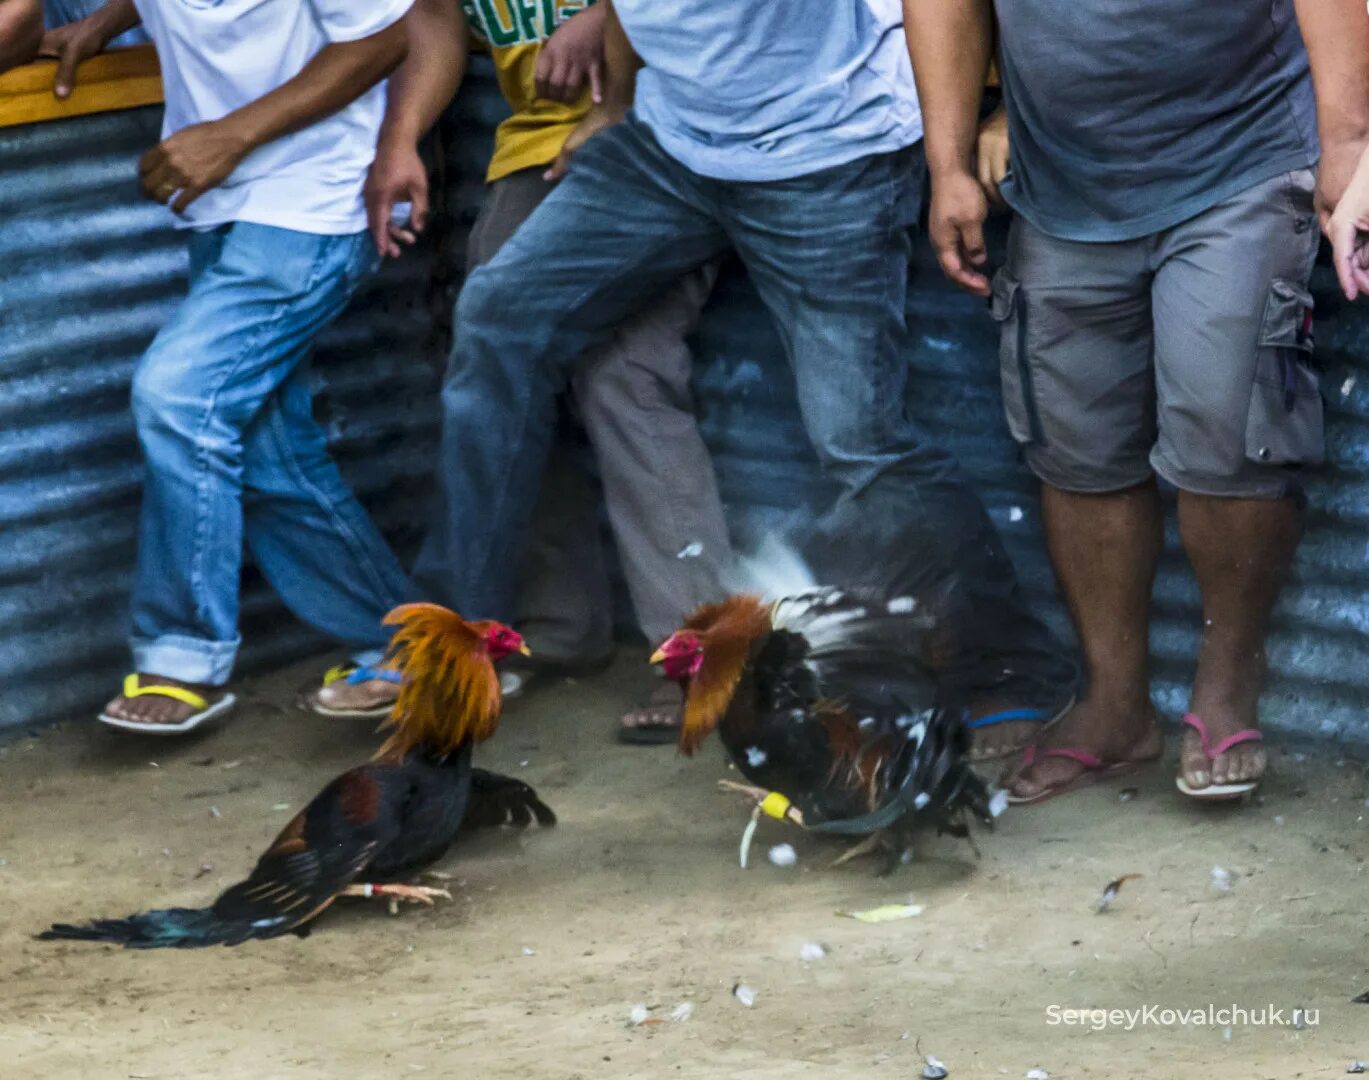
<point>1095,769</point>
<point>1218,792</point>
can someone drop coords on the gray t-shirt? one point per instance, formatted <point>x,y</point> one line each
<point>1130,116</point>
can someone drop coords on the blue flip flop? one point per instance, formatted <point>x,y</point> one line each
<point>1044,718</point>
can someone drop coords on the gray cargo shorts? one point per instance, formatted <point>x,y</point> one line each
<point>1186,353</point>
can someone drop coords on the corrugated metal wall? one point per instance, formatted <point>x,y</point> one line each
<point>88,274</point>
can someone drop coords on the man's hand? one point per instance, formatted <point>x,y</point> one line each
<point>70,45</point>
<point>1339,160</point>
<point>956,228</point>
<point>397,175</point>
<point>573,54</point>
<point>991,154</point>
<point>180,169</point>
<point>595,121</point>
<point>78,41</point>
<point>1348,231</point>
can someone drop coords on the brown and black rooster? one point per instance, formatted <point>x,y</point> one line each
<point>819,699</point>
<point>379,823</point>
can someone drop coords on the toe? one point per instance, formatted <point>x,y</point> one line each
<point>1193,763</point>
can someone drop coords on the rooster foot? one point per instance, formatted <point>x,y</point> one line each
<point>414,894</point>
<point>872,843</point>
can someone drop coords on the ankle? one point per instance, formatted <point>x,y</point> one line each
<point>1130,702</point>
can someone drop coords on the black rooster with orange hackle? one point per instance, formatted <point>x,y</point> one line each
<point>379,823</point>
<point>816,697</point>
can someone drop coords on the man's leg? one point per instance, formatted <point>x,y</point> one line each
<point>565,601</point>
<point>565,597</point>
<point>310,537</point>
<point>255,304</point>
<point>659,483</point>
<point>615,234</point>
<point>1079,392</point>
<point>829,255</point>
<point>1239,404</point>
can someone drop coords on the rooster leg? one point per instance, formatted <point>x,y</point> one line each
<point>872,843</point>
<point>416,894</point>
<point>751,792</point>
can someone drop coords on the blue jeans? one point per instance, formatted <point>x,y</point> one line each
<point>223,410</point>
<point>828,253</point>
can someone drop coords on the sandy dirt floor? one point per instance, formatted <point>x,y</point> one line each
<point>636,899</point>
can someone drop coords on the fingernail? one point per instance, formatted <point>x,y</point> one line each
<point>1200,779</point>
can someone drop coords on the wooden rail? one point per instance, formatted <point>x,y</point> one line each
<point>118,79</point>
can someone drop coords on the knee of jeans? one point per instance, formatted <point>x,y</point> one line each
<point>489,305</point>
<point>162,393</point>
<point>496,335</point>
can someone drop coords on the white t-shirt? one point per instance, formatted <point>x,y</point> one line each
<point>219,55</point>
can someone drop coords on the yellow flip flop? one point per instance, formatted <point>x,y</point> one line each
<point>205,710</point>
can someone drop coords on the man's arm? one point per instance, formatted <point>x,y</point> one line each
<point>1337,37</point>
<point>200,157</point>
<point>620,86</point>
<point>950,42</point>
<point>424,85</point>
<point>78,41</point>
<point>572,56</point>
<point>21,30</point>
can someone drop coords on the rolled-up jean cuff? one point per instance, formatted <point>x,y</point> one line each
<point>192,660</point>
<point>368,657</point>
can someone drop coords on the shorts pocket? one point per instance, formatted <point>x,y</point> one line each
<point>1009,307</point>
<point>1285,425</point>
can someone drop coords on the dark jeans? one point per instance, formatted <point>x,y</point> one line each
<point>829,255</point>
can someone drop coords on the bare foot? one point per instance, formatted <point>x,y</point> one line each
<point>1244,762</point>
<point>155,709</point>
<point>1113,732</point>
<point>658,718</point>
<point>342,697</point>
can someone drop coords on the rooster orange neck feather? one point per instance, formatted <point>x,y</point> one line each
<point>450,693</point>
<point>727,631</point>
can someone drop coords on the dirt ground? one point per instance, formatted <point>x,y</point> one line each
<point>636,899</point>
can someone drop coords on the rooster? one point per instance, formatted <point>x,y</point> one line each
<point>381,822</point>
<point>814,697</point>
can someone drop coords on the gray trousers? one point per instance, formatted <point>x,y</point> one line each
<point>660,491</point>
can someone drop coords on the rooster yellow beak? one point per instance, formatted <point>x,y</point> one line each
<point>523,650</point>
<point>658,656</point>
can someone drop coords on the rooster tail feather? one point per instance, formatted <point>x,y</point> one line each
<point>501,800</point>
<point>450,693</point>
<point>170,928</point>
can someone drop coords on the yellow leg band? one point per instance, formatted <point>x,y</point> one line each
<point>775,805</point>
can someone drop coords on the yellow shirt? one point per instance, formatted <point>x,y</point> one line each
<point>513,31</point>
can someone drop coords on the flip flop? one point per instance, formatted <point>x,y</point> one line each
<point>1218,792</point>
<point>1095,770</point>
<point>1046,720</point>
<point>206,710</point>
<point>352,674</point>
